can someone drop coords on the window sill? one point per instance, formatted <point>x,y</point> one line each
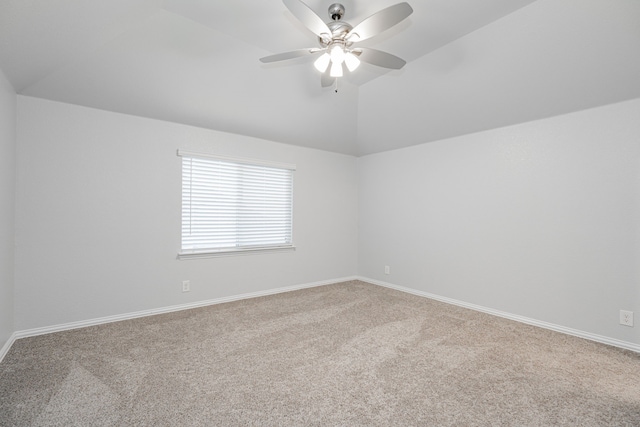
<point>233,252</point>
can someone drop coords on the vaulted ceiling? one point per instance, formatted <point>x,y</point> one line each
<point>471,65</point>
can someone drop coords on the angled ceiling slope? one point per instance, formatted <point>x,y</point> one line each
<point>471,65</point>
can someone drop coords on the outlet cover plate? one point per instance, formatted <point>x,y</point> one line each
<point>626,318</point>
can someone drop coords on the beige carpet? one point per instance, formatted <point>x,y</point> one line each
<point>347,354</point>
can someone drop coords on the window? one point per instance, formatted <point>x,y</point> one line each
<point>234,205</point>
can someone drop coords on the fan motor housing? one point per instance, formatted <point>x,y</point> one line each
<point>339,31</point>
<point>339,28</point>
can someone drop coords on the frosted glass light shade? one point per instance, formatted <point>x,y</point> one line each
<point>337,54</point>
<point>322,62</point>
<point>351,61</point>
<point>336,69</point>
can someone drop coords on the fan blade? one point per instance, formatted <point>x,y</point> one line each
<point>379,58</point>
<point>308,17</point>
<point>289,55</point>
<point>379,22</point>
<point>326,80</point>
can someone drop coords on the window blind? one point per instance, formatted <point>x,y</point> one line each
<point>232,205</point>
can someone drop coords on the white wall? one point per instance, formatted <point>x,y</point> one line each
<point>98,216</point>
<point>539,220</point>
<point>7,205</point>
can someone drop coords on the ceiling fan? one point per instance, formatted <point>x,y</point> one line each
<point>337,38</point>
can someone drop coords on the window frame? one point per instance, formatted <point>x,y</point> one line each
<point>235,250</point>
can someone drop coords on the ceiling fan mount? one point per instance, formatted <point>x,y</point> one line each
<point>336,11</point>
<point>337,37</point>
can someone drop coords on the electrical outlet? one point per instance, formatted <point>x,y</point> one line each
<point>186,286</point>
<point>387,269</point>
<point>626,318</point>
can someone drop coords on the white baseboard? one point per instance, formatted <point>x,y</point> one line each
<point>109,319</point>
<point>558,328</point>
<point>5,348</point>
<point>169,309</point>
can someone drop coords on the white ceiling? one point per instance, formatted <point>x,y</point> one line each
<point>471,65</point>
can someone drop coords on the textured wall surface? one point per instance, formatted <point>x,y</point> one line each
<point>98,216</point>
<point>539,220</point>
<point>7,205</point>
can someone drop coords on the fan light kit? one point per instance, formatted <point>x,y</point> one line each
<point>337,38</point>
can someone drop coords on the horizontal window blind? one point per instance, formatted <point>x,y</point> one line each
<point>230,205</point>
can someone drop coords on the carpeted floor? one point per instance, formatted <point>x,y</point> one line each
<point>347,354</point>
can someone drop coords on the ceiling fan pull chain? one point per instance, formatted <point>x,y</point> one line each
<point>336,85</point>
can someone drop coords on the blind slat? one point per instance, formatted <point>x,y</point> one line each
<point>235,205</point>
